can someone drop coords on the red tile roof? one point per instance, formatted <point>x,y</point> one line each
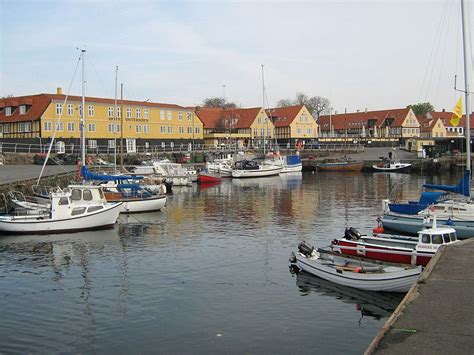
<point>40,102</point>
<point>359,119</point>
<point>211,117</point>
<point>284,116</point>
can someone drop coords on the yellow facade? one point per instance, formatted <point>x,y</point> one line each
<point>139,121</point>
<point>304,126</point>
<point>410,126</point>
<point>262,127</point>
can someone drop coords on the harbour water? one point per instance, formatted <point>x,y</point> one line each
<point>209,274</point>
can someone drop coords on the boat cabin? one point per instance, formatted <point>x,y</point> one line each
<point>79,199</point>
<point>429,240</point>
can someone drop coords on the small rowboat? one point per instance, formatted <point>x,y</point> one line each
<point>206,177</point>
<point>354,272</point>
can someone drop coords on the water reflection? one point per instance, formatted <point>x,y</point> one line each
<point>376,305</point>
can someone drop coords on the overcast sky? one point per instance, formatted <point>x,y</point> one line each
<point>359,54</point>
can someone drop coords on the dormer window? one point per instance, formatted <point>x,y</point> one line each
<point>22,109</point>
<point>8,111</point>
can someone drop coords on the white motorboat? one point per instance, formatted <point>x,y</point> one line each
<point>354,272</point>
<point>223,167</point>
<point>75,209</point>
<point>250,168</point>
<point>289,163</point>
<point>165,169</point>
<point>391,167</point>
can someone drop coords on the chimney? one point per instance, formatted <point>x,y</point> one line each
<point>444,110</point>
<point>366,110</point>
<point>358,111</point>
<point>335,112</point>
<point>59,91</point>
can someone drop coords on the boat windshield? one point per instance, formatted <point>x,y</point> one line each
<point>453,236</point>
<point>437,239</point>
<point>425,238</point>
<point>446,238</point>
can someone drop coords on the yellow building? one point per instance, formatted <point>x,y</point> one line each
<point>142,125</point>
<point>293,123</point>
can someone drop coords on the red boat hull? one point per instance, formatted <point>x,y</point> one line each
<point>367,251</point>
<point>207,178</point>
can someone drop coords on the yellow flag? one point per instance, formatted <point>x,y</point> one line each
<point>457,113</point>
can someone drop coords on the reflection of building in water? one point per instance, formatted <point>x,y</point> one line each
<point>376,305</point>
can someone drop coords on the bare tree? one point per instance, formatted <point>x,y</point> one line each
<point>316,105</point>
<point>218,102</point>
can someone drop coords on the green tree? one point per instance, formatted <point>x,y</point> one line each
<point>421,108</point>
<point>218,102</point>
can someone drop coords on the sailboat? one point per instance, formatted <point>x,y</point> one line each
<point>456,214</point>
<point>77,208</point>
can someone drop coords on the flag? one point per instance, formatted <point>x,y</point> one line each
<point>457,113</point>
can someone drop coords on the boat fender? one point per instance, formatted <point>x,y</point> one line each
<point>379,229</point>
<point>358,269</point>
<point>305,249</point>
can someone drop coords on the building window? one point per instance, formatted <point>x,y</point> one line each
<point>119,112</point>
<point>70,127</point>
<point>138,112</point>
<point>197,130</point>
<point>111,143</point>
<point>70,109</point>
<point>8,111</point>
<point>111,127</point>
<point>169,115</point>
<point>129,112</point>
<point>180,115</point>
<point>190,116</point>
<point>309,130</point>
<point>1,128</point>
<point>6,128</point>
<point>118,128</point>
<point>190,129</point>
<point>111,112</point>
<point>59,126</point>
<point>162,129</point>
<point>146,129</point>
<point>92,143</point>
<point>138,128</point>
<point>262,132</point>
<point>162,114</point>
<point>59,109</point>
<point>170,129</point>
<point>80,110</point>
<point>91,127</point>
<point>47,126</point>
<point>145,113</point>
<point>181,130</point>
<point>91,110</point>
<point>22,109</point>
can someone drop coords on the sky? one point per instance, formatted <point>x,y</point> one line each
<point>359,54</point>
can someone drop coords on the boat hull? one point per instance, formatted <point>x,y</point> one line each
<point>143,205</point>
<point>398,168</point>
<point>207,178</point>
<point>341,166</point>
<point>397,281</point>
<point>375,252</point>
<point>292,168</point>
<point>267,171</point>
<point>413,224</point>
<point>101,219</point>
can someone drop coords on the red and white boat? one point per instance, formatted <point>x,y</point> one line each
<point>396,248</point>
<point>206,177</point>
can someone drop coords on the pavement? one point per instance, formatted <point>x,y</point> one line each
<point>14,173</point>
<point>437,314</point>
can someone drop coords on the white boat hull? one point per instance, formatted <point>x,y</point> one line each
<point>292,168</point>
<point>101,219</point>
<point>143,205</point>
<point>263,171</point>
<point>396,281</point>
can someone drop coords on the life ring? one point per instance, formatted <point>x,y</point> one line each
<point>89,160</point>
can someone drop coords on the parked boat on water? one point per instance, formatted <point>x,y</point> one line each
<point>206,177</point>
<point>396,248</point>
<point>251,168</point>
<point>354,272</point>
<point>289,163</point>
<point>74,209</point>
<point>165,169</point>
<point>340,165</point>
<point>220,166</point>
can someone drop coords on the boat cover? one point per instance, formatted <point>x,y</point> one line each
<point>89,175</point>
<point>427,198</point>
<point>463,187</point>
<point>293,159</point>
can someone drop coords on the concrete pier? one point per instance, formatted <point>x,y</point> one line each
<point>437,314</point>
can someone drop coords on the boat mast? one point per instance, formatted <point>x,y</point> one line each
<point>115,121</point>
<point>263,108</point>
<point>467,79</point>
<point>121,127</point>
<point>83,121</point>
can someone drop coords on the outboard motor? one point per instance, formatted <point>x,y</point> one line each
<point>352,234</point>
<point>305,249</point>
